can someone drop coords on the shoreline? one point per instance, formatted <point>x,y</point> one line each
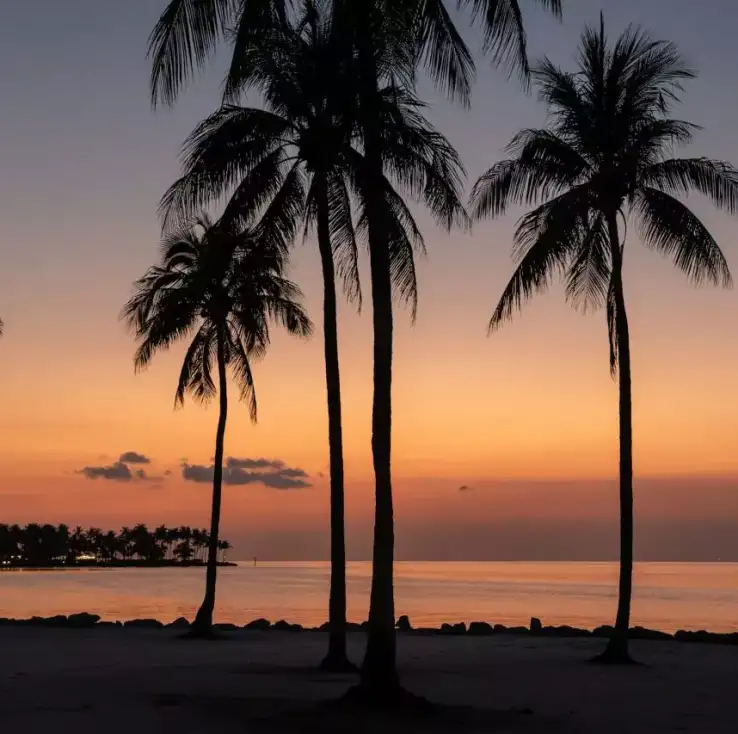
<point>87,620</point>
<point>110,564</point>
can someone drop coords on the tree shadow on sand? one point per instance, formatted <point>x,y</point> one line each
<point>337,716</point>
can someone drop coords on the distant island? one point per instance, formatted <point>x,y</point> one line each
<point>58,546</point>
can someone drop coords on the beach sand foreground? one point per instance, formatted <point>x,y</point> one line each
<point>122,681</point>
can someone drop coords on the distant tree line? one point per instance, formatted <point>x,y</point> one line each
<point>48,545</point>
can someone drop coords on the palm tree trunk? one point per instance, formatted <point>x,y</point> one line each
<point>203,624</point>
<point>617,648</point>
<point>336,659</point>
<point>379,678</point>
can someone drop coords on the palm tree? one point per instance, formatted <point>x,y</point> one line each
<point>223,546</point>
<point>306,138</point>
<point>606,156</point>
<point>221,285</point>
<point>387,38</point>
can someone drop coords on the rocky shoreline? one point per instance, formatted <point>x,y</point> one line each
<point>86,620</point>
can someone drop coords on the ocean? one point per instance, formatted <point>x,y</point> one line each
<point>667,596</point>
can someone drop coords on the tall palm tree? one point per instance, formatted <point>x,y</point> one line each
<point>220,285</point>
<point>307,139</point>
<point>605,157</point>
<point>387,38</point>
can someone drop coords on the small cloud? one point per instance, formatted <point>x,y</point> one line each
<point>237,472</point>
<point>233,462</point>
<point>465,488</point>
<point>321,475</point>
<point>168,473</point>
<point>117,472</point>
<point>133,457</point>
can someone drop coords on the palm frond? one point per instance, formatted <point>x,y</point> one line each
<point>716,180</point>
<point>196,374</point>
<point>240,364</point>
<point>504,32</point>
<point>444,53</point>
<point>546,241</point>
<point>343,238</point>
<point>182,42</point>
<point>669,227</point>
<point>223,149</point>
<point>588,275</point>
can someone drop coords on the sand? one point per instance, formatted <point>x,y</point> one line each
<point>146,681</point>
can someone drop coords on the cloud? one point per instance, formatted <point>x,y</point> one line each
<point>236,472</point>
<point>465,488</point>
<point>233,462</point>
<point>133,457</point>
<point>168,472</point>
<point>117,472</point>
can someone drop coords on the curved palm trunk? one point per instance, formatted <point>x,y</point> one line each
<point>617,648</point>
<point>336,659</point>
<point>379,679</point>
<point>203,624</point>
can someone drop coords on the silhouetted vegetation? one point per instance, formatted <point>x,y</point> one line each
<point>605,158</point>
<point>59,545</point>
<point>220,283</point>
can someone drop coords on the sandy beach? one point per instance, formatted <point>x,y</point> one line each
<point>123,680</point>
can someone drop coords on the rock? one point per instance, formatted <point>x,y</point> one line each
<point>481,628</point>
<point>296,628</point>
<point>282,626</point>
<point>258,624</point>
<point>453,629</point>
<point>698,636</point>
<point>642,633</point>
<point>82,619</point>
<point>108,624</point>
<point>225,627</point>
<point>326,627</point>
<point>403,624</point>
<point>604,630</point>
<point>353,627</point>
<point>535,625</point>
<point>499,628</point>
<point>518,630</point>
<point>151,624</point>
<point>4,621</point>
<point>179,623</point>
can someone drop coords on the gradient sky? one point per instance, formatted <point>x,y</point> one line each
<point>525,421</point>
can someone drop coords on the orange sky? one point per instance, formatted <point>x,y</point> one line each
<point>533,403</point>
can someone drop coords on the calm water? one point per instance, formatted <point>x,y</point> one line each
<point>668,596</point>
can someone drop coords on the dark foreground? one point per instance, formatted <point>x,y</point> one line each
<point>115,680</point>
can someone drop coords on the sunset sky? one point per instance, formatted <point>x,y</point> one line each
<point>525,421</point>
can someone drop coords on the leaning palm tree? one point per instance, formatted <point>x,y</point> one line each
<point>220,286</point>
<point>605,158</point>
<point>386,39</point>
<point>306,138</point>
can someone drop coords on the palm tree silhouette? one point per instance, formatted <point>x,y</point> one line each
<point>307,139</point>
<point>221,285</point>
<point>605,156</point>
<point>389,38</point>
<point>386,38</point>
